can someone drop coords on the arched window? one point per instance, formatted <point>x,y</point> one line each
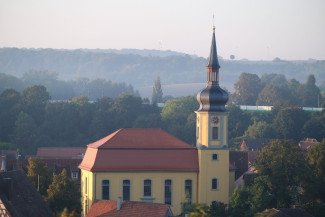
<point>168,191</point>
<point>126,190</point>
<point>214,184</point>
<point>188,189</point>
<point>105,190</point>
<point>147,188</point>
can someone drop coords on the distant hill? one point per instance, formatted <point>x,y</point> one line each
<point>141,67</point>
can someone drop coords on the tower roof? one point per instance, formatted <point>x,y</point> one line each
<point>213,98</point>
<point>213,58</point>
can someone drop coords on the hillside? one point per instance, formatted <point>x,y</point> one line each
<point>140,67</point>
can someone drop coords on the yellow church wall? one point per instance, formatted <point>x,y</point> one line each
<point>210,169</point>
<point>87,190</point>
<point>136,179</point>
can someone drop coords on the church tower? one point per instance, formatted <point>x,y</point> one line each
<point>212,135</point>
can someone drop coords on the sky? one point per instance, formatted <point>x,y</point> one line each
<point>248,29</point>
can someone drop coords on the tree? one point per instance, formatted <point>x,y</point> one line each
<point>178,118</point>
<point>260,130</point>
<point>157,94</point>
<point>274,79</point>
<point>271,95</point>
<point>25,133</point>
<point>63,193</point>
<point>288,123</point>
<point>39,174</point>
<point>315,127</point>
<point>247,89</point>
<point>282,168</point>
<point>218,209</point>
<point>238,121</point>
<point>239,206</point>
<point>9,110</point>
<point>33,101</point>
<point>310,93</point>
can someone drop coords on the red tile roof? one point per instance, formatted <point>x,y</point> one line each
<point>107,208</point>
<point>140,138</point>
<point>140,150</point>
<point>308,143</point>
<point>64,152</point>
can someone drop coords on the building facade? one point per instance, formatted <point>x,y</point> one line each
<point>151,165</point>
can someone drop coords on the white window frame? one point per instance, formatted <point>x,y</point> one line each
<point>123,188</point>
<point>109,189</point>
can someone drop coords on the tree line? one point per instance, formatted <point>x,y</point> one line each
<point>273,89</point>
<point>64,90</point>
<point>141,70</point>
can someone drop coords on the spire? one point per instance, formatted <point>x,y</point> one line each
<point>213,58</point>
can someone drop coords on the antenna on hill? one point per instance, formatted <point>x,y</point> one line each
<point>213,23</point>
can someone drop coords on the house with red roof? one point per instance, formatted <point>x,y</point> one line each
<point>119,208</point>
<point>59,158</point>
<point>152,166</point>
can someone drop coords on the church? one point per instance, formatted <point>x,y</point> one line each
<point>150,165</point>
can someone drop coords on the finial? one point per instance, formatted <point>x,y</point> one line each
<point>213,23</point>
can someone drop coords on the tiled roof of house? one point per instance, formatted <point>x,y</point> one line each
<point>140,150</point>
<point>256,143</point>
<point>308,143</point>
<point>20,197</point>
<point>107,208</point>
<point>63,152</point>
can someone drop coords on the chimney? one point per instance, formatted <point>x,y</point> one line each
<point>3,166</point>
<point>119,203</point>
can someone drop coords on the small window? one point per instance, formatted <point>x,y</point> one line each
<point>214,184</point>
<point>126,190</point>
<point>215,157</point>
<point>105,190</point>
<point>188,189</point>
<point>74,175</point>
<point>215,133</point>
<point>197,132</point>
<point>147,188</point>
<point>168,191</point>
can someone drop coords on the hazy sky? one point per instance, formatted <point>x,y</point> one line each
<point>252,29</point>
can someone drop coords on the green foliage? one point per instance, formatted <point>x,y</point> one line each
<point>200,210</point>
<point>260,130</point>
<point>310,93</point>
<point>238,121</point>
<point>218,209</point>
<point>179,119</point>
<point>33,102</point>
<point>9,110</point>
<point>239,206</point>
<point>7,146</point>
<point>39,174</point>
<point>247,89</point>
<point>274,79</point>
<point>63,193</point>
<point>25,133</point>
<point>157,94</point>
<point>282,168</point>
<point>289,122</point>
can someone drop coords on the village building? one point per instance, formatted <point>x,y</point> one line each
<point>59,158</point>
<point>119,208</point>
<point>19,197</point>
<point>150,165</point>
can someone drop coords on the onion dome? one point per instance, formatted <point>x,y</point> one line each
<point>213,97</point>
